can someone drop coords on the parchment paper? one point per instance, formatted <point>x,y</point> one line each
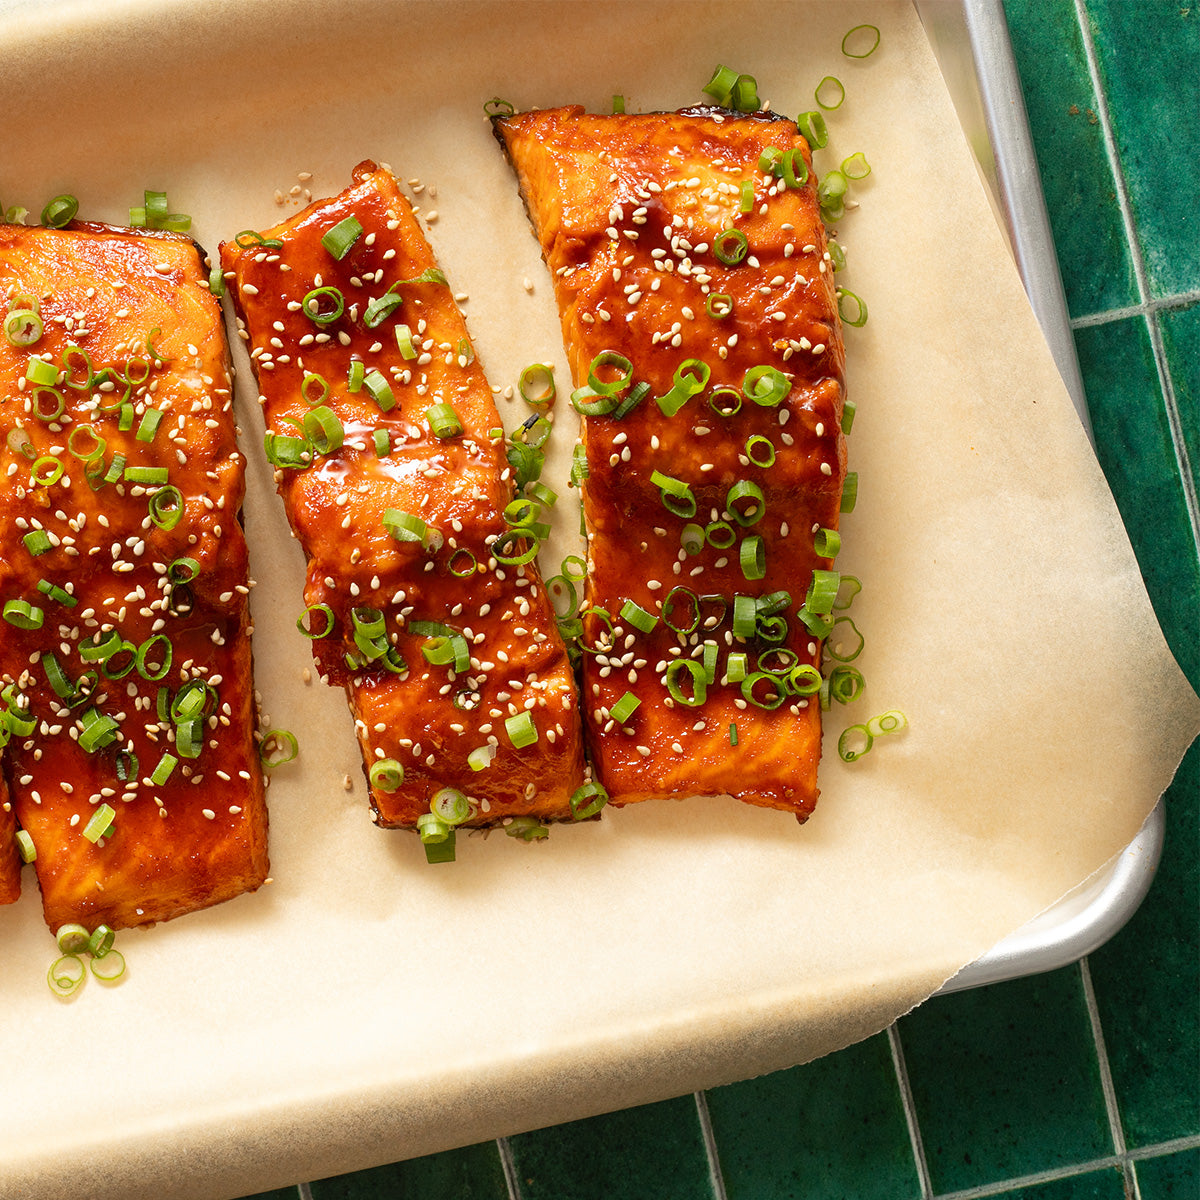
<point>364,1006</point>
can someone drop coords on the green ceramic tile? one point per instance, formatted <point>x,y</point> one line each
<point>1005,1081</point>
<point>1149,55</point>
<point>655,1150</point>
<point>1077,179</point>
<point>1133,441</point>
<point>473,1173</point>
<point>1181,339</point>
<point>831,1129</point>
<point>1147,984</point>
<point>1172,1177</point>
<point>1108,1184</point>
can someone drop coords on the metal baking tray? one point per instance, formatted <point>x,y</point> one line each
<point>970,40</point>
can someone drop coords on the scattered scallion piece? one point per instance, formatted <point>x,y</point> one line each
<point>536,385</point>
<point>699,684</point>
<point>101,941</point>
<point>730,246</point>
<point>521,730</point>
<point>638,617</point>
<point>528,829</point>
<point>72,939</point>
<point>278,746</point>
<point>25,847</point>
<point>66,974</point>
<point>587,800</point>
<point>23,327</point>
<point>109,967</point>
<point>812,126</point>
<point>100,823</point>
<point>827,543</point>
<point>624,708</point>
<point>342,236</point>
<point>444,422</point>
<point>323,305</point>
<point>830,93</point>
<point>861,42</point>
<point>854,313</point>
<point>60,211</point>
<point>856,166</point>
<point>849,492</point>
<point>386,774</point>
<point>23,615</point>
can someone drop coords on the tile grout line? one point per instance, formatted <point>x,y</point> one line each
<point>710,1147</point>
<point>1153,306</point>
<point>1107,1087</point>
<point>1001,1186</point>
<point>508,1163</point>
<point>1170,403</point>
<point>910,1111</point>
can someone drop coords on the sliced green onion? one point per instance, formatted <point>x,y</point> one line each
<point>495,107</point>
<point>521,730</point>
<point>637,616</point>
<point>463,563</point>
<point>746,202</point>
<point>443,421</point>
<point>675,494</point>
<point>325,433</point>
<point>891,721</point>
<point>854,314</point>
<point>691,538</point>
<point>156,643</point>
<point>278,746</point>
<point>151,419</point>
<point>745,502</point>
<point>861,42</point>
<point>720,535</point>
<point>776,696</point>
<point>108,967</point>
<point>822,591</point>
<point>804,679</point>
<point>856,166</point>
<point>730,246</point>
<point>691,376</point>
<point>834,648</point>
<point>832,188</point>
<point>733,735</point>
<point>745,616</point>
<point>624,708</point>
<point>379,309</point>
<point>216,281</point>
<point>766,386</point>
<point>23,615</point>
<point>101,941</point>
<point>37,542</point>
<point>849,492</point>
<point>450,806</point>
<point>250,239</point>
<point>528,829</point>
<point>481,757</point>
<point>854,742</point>
<point>383,443</point>
<point>25,847</point>
<point>830,93</point>
<point>827,543</point>
<point>848,411</point>
<point>849,587</point>
<point>618,103</point>
<point>60,211</point>
<point>162,771</point>
<point>189,738</point>
<point>502,547</point>
<point>319,609</point>
<point>166,507</point>
<point>760,451</point>
<point>72,939</point>
<point>752,557</point>
<point>794,168</point>
<point>100,822</point>
<point>386,774</point>
<point>342,236</point>
<point>195,700</point>
<point>563,598</point>
<point>314,305</point>
<point>720,86</point>
<point>699,683</point>
<point>536,385</point>
<point>41,372</point>
<point>718,305</point>
<point>846,684</point>
<point>312,379</point>
<point>53,592</point>
<point>404,342</point>
<point>404,527</point>
<point>633,398</point>
<point>812,126</point>
<point>150,476</point>
<point>735,667</point>
<point>744,97</point>
<point>23,327</point>
<point>587,800</point>
<point>380,391</point>
<point>66,974</point>
<point>837,256</point>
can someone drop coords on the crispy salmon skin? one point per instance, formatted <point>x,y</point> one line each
<point>125,651</point>
<point>688,255</point>
<point>396,488</point>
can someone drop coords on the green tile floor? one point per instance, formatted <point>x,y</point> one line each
<point>1084,1083</point>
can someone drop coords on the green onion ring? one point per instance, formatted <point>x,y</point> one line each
<point>587,800</point>
<point>249,239</point>
<point>60,211</point>
<point>166,507</point>
<point>66,974</point>
<point>513,537</point>
<point>669,602</point>
<point>872,34</point>
<point>830,84</point>
<point>812,126</point>
<point>720,535</point>
<point>854,742</point>
<point>778,694</point>
<point>311,305</point>
<point>846,684</point>
<point>699,683</point>
<point>521,730</point>
<point>765,457</point>
<point>386,774</point>
<point>718,305</point>
<point>108,967</point>
<point>730,247</point>
<point>765,385</point>
<point>752,557</point>
<point>891,721</point>
<point>804,679</point>
<point>746,490</point>
<point>278,746</point>
<point>466,569</point>
<point>859,319</point>
<point>536,385</point>
<point>23,327</point>
<point>146,649</point>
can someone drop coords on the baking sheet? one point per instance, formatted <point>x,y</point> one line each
<point>365,1007</point>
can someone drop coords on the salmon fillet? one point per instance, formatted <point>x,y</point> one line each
<point>449,656</point>
<point>125,652</point>
<point>687,254</point>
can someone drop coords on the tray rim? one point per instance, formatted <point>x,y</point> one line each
<point>990,104</point>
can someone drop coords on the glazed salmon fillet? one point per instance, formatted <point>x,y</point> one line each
<point>395,482</point>
<point>688,255</point>
<point>125,654</point>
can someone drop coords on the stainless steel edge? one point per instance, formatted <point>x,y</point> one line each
<point>970,40</point>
